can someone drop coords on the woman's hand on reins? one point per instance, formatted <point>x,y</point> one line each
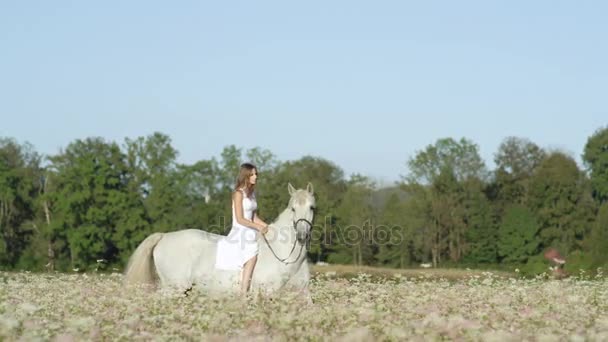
<point>264,230</point>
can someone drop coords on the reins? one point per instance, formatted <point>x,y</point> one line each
<point>283,260</point>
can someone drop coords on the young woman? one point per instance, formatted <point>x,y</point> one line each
<point>241,244</point>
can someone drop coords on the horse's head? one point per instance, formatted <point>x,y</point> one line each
<point>302,206</point>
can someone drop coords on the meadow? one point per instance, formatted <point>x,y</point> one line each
<point>350,304</point>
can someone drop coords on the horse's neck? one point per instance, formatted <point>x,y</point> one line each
<point>283,219</point>
<point>285,230</point>
<point>284,245</point>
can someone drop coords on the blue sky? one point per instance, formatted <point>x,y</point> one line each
<point>365,84</point>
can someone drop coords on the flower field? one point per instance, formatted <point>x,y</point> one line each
<point>477,307</point>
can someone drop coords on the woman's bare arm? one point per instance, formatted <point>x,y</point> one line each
<point>257,219</point>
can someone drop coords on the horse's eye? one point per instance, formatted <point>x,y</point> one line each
<point>293,209</point>
<point>313,208</point>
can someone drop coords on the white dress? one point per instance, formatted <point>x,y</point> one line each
<point>241,244</point>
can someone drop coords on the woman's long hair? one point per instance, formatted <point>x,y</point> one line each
<point>242,181</point>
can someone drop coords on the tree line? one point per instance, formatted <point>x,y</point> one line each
<point>88,206</point>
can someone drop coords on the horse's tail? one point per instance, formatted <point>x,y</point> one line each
<point>140,269</point>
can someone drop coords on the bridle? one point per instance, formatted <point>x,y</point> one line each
<point>306,242</point>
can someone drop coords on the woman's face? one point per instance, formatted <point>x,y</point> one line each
<point>254,176</point>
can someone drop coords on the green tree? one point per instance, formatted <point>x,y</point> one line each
<point>449,214</point>
<point>441,178</point>
<point>595,157</point>
<point>19,172</point>
<point>393,234</point>
<point>598,238</point>
<point>262,159</point>
<point>355,221</point>
<point>516,161</point>
<point>482,231</point>
<point>94,213</point>
<point>198,183</point>
<point>518,235</point>
<point>40,252</point>
<point>231,159</point>
<point>561,200</point>
<point>461,157</point>
<point>152,167</point>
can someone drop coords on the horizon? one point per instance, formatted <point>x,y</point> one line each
<point>380,183</point>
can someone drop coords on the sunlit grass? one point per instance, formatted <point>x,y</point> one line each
<point>349,271</point>
<point>399,306</point>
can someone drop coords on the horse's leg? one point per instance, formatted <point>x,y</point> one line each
<point>161,275</point>
<point>300,281</point>
<point>173,267</point>
<point>306,294</point>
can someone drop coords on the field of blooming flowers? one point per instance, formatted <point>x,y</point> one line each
<point>481,307</point>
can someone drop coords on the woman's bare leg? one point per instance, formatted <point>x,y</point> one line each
<point>247,273</point>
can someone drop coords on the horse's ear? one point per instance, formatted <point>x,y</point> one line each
<point>310,189</point>
<point>291,189</point>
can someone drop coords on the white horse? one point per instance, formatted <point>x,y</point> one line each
<point>185,259</point>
